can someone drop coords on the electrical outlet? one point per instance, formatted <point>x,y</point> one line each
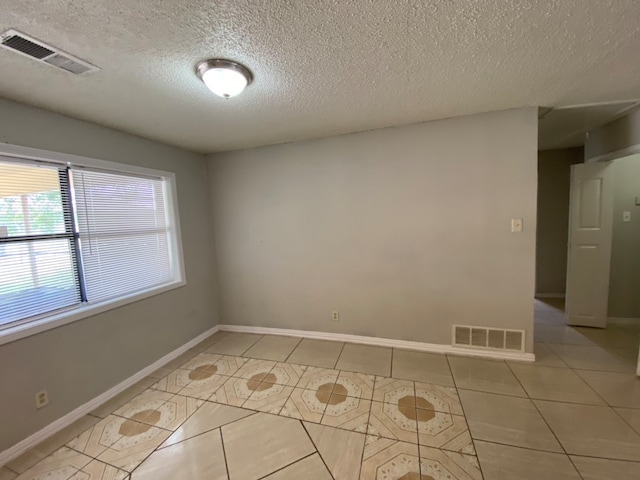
<point>42,399</point>
<point>335,316</point>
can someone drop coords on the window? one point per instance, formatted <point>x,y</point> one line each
<point>73,236</point>
<point>38,261</point>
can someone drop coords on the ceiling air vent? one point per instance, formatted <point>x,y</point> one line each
<point>30,47</point>
<point>488,338</point>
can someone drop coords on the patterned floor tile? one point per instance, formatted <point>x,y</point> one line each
<point>349,413</point>
<point>202,363</point>
<point>96,470</point>
<point>50,445</point>
<point>101,436</point>
<point>305,405</point>
<point>394,421</point>
<point>255,370</point>
<point>134,443</point>
<point>148,403</point>
<point>444,431</point>
<point>108,407</point>
<point>60,465</point>
<point>355,384</point>
<point>443,465</point>
<point>286,374</point>
<point>314,377</point>
<point>386,459</point>
<point>228,365</point>
<point>204,388</point>
<point>174,412</point>
<point>439,398</point>
<point>390,390</point>
<point>235,391</point>
<point>175,381</point>
<point>268,397</point>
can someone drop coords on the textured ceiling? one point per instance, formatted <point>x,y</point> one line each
<point>321,67</point>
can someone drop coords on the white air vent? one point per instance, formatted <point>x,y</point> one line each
<point>488,338</point>
<point>27,46</point>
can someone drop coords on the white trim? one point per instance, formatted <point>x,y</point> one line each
<point>616,154</point>
<point>47,322</point>
<point>384,342</point>
<point>77,160</point>
<point>54,427</point>
<point>550,295</point>
<point>23,330</point>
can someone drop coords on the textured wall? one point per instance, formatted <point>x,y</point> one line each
<point>622,134</point>
<point>617,135</point>
<point>79,361</point>
<point>404,230</point>
<point>624,280</point>
<point>554,182</point>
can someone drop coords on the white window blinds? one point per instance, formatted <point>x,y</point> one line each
<point>72,235</point>
<point>123,231</point>
<point>38,261</point>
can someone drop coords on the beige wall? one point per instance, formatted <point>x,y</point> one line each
<point>620,134</point>
<point>624,280</point>
<point>618,138</point>
<point>405,231</point>
<point>554,182</point>
<point>79,361</point>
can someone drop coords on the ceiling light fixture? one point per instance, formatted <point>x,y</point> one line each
<point>224,77</point>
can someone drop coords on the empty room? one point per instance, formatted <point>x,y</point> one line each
<point>319,240</point>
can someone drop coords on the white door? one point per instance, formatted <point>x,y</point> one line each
<point>589,255</point>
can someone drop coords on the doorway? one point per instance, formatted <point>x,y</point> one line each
<point>613,288</point>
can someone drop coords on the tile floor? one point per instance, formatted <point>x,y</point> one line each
<point>240,407</point>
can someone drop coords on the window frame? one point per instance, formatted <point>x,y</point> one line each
<point>84,310</point>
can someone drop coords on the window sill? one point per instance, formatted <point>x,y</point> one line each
<point>24,330</point>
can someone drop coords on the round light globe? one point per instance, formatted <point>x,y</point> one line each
<point>223,82</point>
<point>224,77</point>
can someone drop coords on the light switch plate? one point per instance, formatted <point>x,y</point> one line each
<point>626,216</point>
<point>516,225</point>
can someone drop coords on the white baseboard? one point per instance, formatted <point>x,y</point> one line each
<point>54,427</point>
<point>550,295</point>
<point>384,342</point>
